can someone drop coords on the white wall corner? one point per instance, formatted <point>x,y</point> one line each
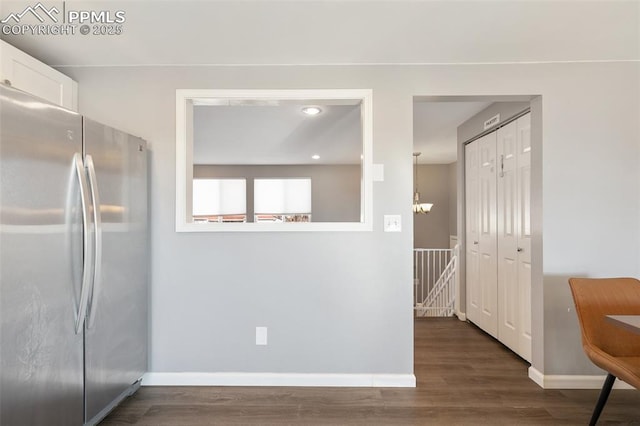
<point>572,381</point>
<point>278,379</point>
<point>536,376</point>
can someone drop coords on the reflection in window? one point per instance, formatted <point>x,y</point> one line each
<point>282,200</point>
<point>219,200</point>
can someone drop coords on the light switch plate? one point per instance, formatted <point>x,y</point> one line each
<point>261,336</point>
<point>392,223</point>
<point>378,172</point>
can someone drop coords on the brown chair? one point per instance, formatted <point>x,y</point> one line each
<point>610,347</point>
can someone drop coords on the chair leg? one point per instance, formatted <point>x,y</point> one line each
<point>602,400</point>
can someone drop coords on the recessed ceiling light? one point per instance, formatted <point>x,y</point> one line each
<point>311,110</point>
<point>315,156</point>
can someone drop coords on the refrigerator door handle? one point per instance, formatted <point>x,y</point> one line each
<point>86,264</point>
<point>97,221</point>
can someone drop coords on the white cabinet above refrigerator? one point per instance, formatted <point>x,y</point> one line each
<point>24,72</point>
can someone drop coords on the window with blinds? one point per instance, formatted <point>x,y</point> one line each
<point>219,200</point>
<point>282,200</point>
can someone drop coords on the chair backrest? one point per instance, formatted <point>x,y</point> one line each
<point>597,297</point>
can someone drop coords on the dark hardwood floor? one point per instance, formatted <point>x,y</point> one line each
<point>464,377</point>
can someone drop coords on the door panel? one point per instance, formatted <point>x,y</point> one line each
<point>508,296</point>
<point>471,236</point>
<point>40,263</point>
<point>116,333</point>
<point>474,293</point>
<point>487,235</point>
<point>508,272</point>
<point>524,282</point>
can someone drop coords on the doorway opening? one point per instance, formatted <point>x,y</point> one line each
<point>485,196</point>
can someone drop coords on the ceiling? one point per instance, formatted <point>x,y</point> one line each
<point>337,32</point>
<point>435,128</point>
<point>200,32</point>
<point>282,134</point>
<point>276,134</point>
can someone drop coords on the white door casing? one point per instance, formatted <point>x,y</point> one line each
<point>471,236</point>
<point>524,233</point>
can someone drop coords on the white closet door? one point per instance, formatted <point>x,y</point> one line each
<point>498,235</point>
<point>524,233</point>
<point>487,250</point>
<point>472,163</point>
<point>508,290</point>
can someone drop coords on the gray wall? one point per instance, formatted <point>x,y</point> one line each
<point>432,230</point>
<point>335,189</point>
<point>341,303</point>
<point>335,302</point>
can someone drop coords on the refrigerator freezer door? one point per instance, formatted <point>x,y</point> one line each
<point>41,252</point>
<point>116,326</point>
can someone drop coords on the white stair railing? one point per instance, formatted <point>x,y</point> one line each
<point>435,276</point>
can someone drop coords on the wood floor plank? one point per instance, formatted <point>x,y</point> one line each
<point>464,377</point>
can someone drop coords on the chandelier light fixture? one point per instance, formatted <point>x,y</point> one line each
<point>418,207</point>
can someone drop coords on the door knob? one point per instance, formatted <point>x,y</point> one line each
<point>520,249</point>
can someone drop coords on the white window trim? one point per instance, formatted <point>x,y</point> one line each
<point>187,98</point>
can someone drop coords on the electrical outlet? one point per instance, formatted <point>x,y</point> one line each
<point>392,223</point>
<point>261,336</point>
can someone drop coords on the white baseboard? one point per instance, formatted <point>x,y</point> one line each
<point>279,379</point>
<point>550,381</point>
<point>535,375</point>
<point>461,316</point>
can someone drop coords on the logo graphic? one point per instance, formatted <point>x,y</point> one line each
<point>33,10</point>
<point>41,20</point>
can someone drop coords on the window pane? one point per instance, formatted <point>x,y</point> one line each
<point>219,197</point>
<point>282,196</point>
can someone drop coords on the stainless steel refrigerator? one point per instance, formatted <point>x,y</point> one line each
<point>73,264</point>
